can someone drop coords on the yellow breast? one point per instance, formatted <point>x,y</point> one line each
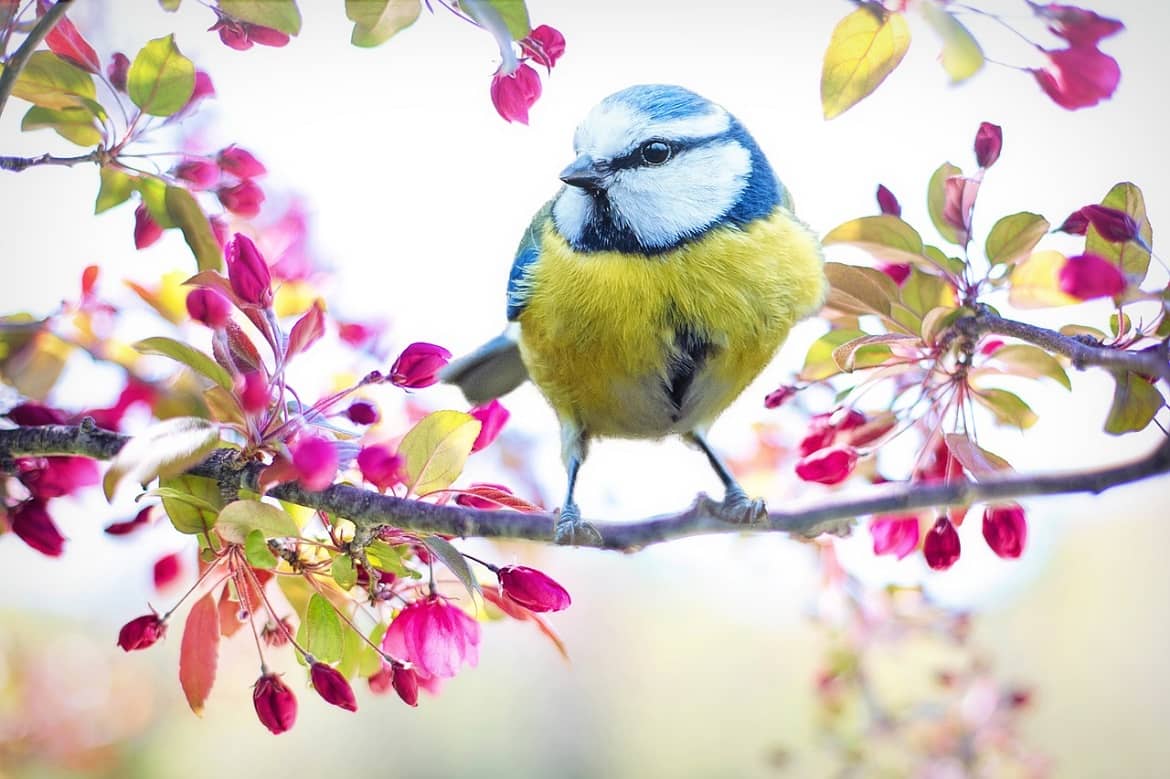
<point>599,329</point>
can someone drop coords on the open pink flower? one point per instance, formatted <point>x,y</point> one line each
<point>434,636</point>
<point>513,94</point>
<point>894,534</point>
<point>1078,77</point>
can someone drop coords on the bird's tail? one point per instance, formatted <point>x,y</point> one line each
<point>492,370</point>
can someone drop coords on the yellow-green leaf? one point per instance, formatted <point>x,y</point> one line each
<point>241,517</point>
<point>187,355</point>
<point>865,48</point>
<point>1134,260</point>
<point>1008,407</point>
<point>115,188</point>
<point>257,552</point>
<point>961,56</point>
<point>1031,362</point>
<point>1014,237</point>
<point>343,571</point>
<point>154,196</point>
<point>51,82</point>
<point>435,450</point>
<point>855,290</point>
<point>191,502</point>
<point>847,355</point>
<point>455,562</point>
<point>819,363</point>
<point>161,80</point>
<point>936,198</point>
<point>187,214</point>
<point>377,21</point>
<point>320,631</point>
<point>164,449</point>
<point>511,14</point>
<point>280,15</point>
<point>75,124</point>
<point>886,237</point>
<point>1036,282</point>
<point>1135,402</point>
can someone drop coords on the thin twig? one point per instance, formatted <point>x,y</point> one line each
<point>19,58</point>
<point>17,164</point>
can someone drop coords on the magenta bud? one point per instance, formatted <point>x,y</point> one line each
<point>544,45</point>
<point>988,142</point>
<point>199,173</point>
<point>405,682</point>
<point>248,272</point>
<point>117,70</point>
<point>33,414</point>
<point>362,412</point>
<point>276,706</point>
<point>208,307</point>
<point>380,466</point>
<point>1078,77</point>
<point>244,199</point>
<point>896,535</point>
<point>315,461</point>
<point>219,229</point>
<point>1089,276</point>
<point>166,569</point>
<point>492,418</point>
<point>779,396</point>
<point>33,525</point>
<point>532,589</point>
<point>233,34</point>
<point>331,685</point>
<point>241,163</point>
<point>898,271</point>
<point>1076,223</point>
<point>1005,529</point>
<point>419,365</point>
<point>146,230</point>
<point>141,632</point>
<point>828,466</point>
<point>1112,224</point>
<point>515,93</point>
<point>887,202</point>
<point>253,392</point>
<point>941,547</point>
<point>266,36</point>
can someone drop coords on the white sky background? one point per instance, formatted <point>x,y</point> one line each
<point>418,194</point>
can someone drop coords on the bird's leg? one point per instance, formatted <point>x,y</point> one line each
<point>570,528</point>
<point>737,507</point>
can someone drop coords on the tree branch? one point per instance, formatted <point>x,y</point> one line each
<point>19,58</point>
<point>371,510</point>
<point>17,164</point>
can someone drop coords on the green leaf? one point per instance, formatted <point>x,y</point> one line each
<point>161,80</point>
<point>370,662</point>
<point>191,502</point>
<point>114,190</point>
<point>187,214</point>
<point>257,552</point>
<point>51,82</point>
<point>819,363</point>
<point>1134,260</point>
<point>154,196</point>
<point>886,237</point>
<point>343,571</point>
<point>515,16</point>
<point>455,562</point>
<point>170,6</point>
<point>1135,402</point>
<point>877,346</point>
<point>352,647</point>
<point>280,15</point>
<point>187,355</point>
<point>164,449</point>
<point>1031,362</point>
<point>923,292</point>
<point>1036,282</point>
<point>855,290</point>
<point>865,48</point>
<point>387,558</point>
<point>961,56</point>
<point>435,450</point>
<point>377,21</point>
<point>241,517</point>
<point>936,197</point>
<point>321,632</point>
<point>73,124</point>
<point>1014,237</point>
<point>1008,407</point>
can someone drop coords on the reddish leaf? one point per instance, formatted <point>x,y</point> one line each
<point>493,496</point>
<point>308,329</point>
<point>65,41</point>
<point>199,652</point>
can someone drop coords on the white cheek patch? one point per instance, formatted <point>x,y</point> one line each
<point>571,213</point>
<point>666,204</point>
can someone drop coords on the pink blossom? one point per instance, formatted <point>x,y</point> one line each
<point>513,94</point>
<point>828,466</point>
<point>434,636</point>
<point>1112,224</point>
<point>492,417</point>
<point>241,163</point>
<point>419,365</point>
<point>315,461</point>
<point>941,547</point>
<point>253,392</point>
<point>898,271</point>
<point>532,589</point>
<point>887,202</point>
<point>166,569</point>
<point>276,706</point>
<point>1088,276</point>
<point>1076,223</point>
<point>33,414</point>
<point>779,396</point>
<point>57,475</point>
<point>544,45</point>
<point>1005,529</point>
<point>125,527</point>
<point>988,142</point>
<point>208,307</point>
<point>199,173</point>
<point>146,230</point>
<point>243,200</point>
<point>380,466</point>
<point>33,525</point>
<point>141,632</point>
<point>117,71</point>
<point>1078,26</point>
<point>1078,77</point>
<point>248,272</point>
<point>362,412</point>
<point>894,534</point>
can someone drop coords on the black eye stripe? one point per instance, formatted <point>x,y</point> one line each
<point>633,158</point>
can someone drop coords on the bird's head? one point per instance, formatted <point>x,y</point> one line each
<point>658,166</point>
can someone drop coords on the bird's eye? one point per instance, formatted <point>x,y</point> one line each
<point>655,152</point>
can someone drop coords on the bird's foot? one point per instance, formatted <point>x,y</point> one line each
<point>571,530</point>
<point>738,509</point>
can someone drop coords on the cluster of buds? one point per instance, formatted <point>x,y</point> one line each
<point>1088,276</point>
<point>516,84</point>
<point>831,446</point>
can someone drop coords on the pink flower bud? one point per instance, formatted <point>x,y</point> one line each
<point>898,271</point>
<point>233,34</point>
<point>828,466</point>
<point>544,45</point>
<point>532,589</point>
<point>941,547</point>
<point>117,70</point>
<point>243,199</point>
<point>252,390</point>
<point>988,142</point>
<point>241,163</point>
<point>331,685</point>
<point>959,204</point>
<point>126,527</point>
<point>141,632</point>
<point>199,173</point>
<point>419,365</point>
<point>1113,225</point>
<point>266,36</point>
<point>847,419</point>
<point>219,229</point>
<point>820,435</point>
<point>1088,276</point>
<point>1076,223</point>
<point>166,570</point>
<point>146,230</point>
<point>33,414</point>
<point>276,706</point>
<point>362,412</point>
<point>513,94</point>
<point>405,682</point>
<point>887,202</point>
<point>492,418</point>
<point>1005,529</point>
<point>315,461</point>
<point>380,466</point>
<point>203,89</point>
<point>896,535</point>
<point>33,525</point>
<point>248,272</point>
<point>990,346</point>
<point>1078,77</point>
<point>58,475</point>
<point>208,307</point>
<point>779,396</point>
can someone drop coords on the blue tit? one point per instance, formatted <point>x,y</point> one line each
<point>655,285</point>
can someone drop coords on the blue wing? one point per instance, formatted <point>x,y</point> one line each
<point>527,253</point>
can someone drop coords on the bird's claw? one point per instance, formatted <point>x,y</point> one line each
<point>571,530</point>
<point>738,509</point>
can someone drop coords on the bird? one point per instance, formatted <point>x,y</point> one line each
<point>655,285</point>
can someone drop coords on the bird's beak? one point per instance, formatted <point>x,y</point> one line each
<point>584,172</point>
